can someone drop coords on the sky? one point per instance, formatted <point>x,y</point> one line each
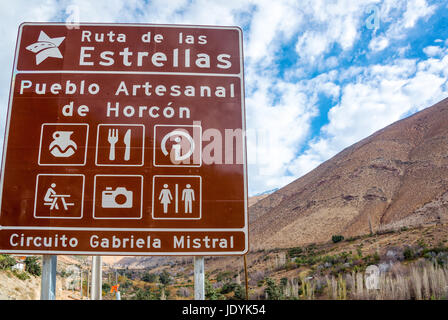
<point>319,75</point>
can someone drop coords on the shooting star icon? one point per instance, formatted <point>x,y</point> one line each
<point>46,47</point>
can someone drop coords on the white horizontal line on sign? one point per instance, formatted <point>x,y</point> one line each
<point>129,253</point>
<point>142,25</point>
<point>238,75</point>
<point>125,229</point>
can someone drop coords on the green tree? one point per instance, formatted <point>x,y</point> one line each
<point>272,291</point>
<point>32,266</point>
<point>337,238</point>
<point>6,261</point>
<point>165,277</point>
<point>240,292</point>
<point>210,292</point>
<point>149,277</point>
<point>228,287</point>
<point>283,282</point>
<point>408,253</point>
<point>144,294</point>
<point>106,287</point>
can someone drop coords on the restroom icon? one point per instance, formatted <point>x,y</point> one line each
<point>177,197</point>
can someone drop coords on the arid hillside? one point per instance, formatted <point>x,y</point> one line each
<point>396,177</point>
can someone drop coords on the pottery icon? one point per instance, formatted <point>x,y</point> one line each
<point>62,146</point>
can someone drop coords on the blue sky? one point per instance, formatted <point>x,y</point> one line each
<point>318,76</point>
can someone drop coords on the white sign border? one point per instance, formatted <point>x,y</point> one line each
<point>240,75</point>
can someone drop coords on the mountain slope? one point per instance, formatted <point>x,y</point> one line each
<point>397,176</point>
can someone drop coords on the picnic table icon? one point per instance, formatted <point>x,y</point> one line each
<point>51,199</point>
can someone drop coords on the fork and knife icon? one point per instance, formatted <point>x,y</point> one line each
<point>113,137</point>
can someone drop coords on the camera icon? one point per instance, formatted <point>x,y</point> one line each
<point>118,198</point>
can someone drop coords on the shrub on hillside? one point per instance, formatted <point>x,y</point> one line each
<point>6,261</point>
<point>408,253</point>
<point>228,287</point>
<point>144,294</point>
<point>149,277</point>
<point>337,238</point>
<point>106,287</point>
<point>21,275</point>
<point>272,291</point>
<point>32,266</point>
<point>240,293</point>
<point>211,293</point>
<point>183,292</point>
<point>294,252</point>
<point>165,277</point>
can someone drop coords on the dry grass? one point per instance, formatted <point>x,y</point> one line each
<point>420,281</point>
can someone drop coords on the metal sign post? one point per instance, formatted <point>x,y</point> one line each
<point>48,280</point>
<point>88,284</point>
<point>118,295</point>
<point>81,285</point>
<point>199,278</point>
<point>96,278</point>
<point>246,279</point>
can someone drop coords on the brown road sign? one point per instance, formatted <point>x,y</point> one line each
<point>125,140</point>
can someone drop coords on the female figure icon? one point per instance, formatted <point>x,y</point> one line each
<point>165,197</point>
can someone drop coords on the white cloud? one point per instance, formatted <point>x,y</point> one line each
<point>271,22</point>
<point>282,125</point>
<point>415,10</point>
<point>331,62</point>
<point>329,23</point>
<point>381,95</point>
<point>106,11</point>
<point>403,16</point>
<point>378,43</point>
<point>432,51</point>
<point>402,50</point>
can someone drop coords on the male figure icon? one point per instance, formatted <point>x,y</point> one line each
<point>188,198</point>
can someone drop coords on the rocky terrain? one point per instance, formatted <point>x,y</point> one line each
<point>16,285</point>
